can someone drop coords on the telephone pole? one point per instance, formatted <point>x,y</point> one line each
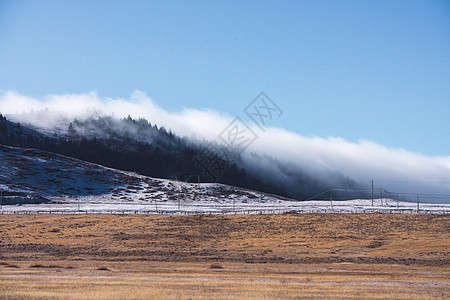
<point>397,202</point>
<point>417,203</point>
<point>372,192</point>
<point>331,199</point>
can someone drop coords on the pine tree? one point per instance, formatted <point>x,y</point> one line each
<point>71,131</point>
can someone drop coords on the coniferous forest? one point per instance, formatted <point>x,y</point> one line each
<point>137,145</point>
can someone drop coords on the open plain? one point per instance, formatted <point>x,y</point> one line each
<point>289,256</point>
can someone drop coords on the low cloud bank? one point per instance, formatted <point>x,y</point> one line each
<point>278,154</point>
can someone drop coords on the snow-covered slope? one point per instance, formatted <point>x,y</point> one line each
<point>60,179</point>
<point>42,181</point>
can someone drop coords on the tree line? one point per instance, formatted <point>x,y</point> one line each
<point>136,145</point>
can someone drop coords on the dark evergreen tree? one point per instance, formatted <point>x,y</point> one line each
<point>71,131</point>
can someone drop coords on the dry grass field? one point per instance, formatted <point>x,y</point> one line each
<point>290,256</point>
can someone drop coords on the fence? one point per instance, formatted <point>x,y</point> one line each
<point>225,212</point>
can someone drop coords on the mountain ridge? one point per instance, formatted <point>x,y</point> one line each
<point>31,176</point>
<point>139,146</point>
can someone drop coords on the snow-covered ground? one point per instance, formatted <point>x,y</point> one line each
<point>37,181</point>
<point>228,206</point>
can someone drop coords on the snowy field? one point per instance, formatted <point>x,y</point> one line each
<point>229,207</point>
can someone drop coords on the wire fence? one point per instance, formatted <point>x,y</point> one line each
<point>328,201</point>
<point>247,212</point>
<point>338,207</point>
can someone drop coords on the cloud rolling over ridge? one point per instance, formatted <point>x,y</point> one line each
<point>283,156</point>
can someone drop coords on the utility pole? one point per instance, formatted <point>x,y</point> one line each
<point>397,202</point>
<point>372,192</point>
<point>417,203</point>
<point>331,199</point>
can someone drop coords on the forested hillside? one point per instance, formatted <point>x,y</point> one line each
<point>137,145</point>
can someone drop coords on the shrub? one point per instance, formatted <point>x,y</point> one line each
<point>215,266</point>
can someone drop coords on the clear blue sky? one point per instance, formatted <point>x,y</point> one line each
<point>376,70</point>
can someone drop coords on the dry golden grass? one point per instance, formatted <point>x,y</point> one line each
<point>168,280</point>
<point>372,256</point>
<point>389,238</point>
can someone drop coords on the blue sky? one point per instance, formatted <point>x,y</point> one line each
<point>373,70</point>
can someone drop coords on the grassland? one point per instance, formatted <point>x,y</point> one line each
<point>384,256</point>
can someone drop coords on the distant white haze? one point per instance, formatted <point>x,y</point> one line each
<point>397,170</point>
